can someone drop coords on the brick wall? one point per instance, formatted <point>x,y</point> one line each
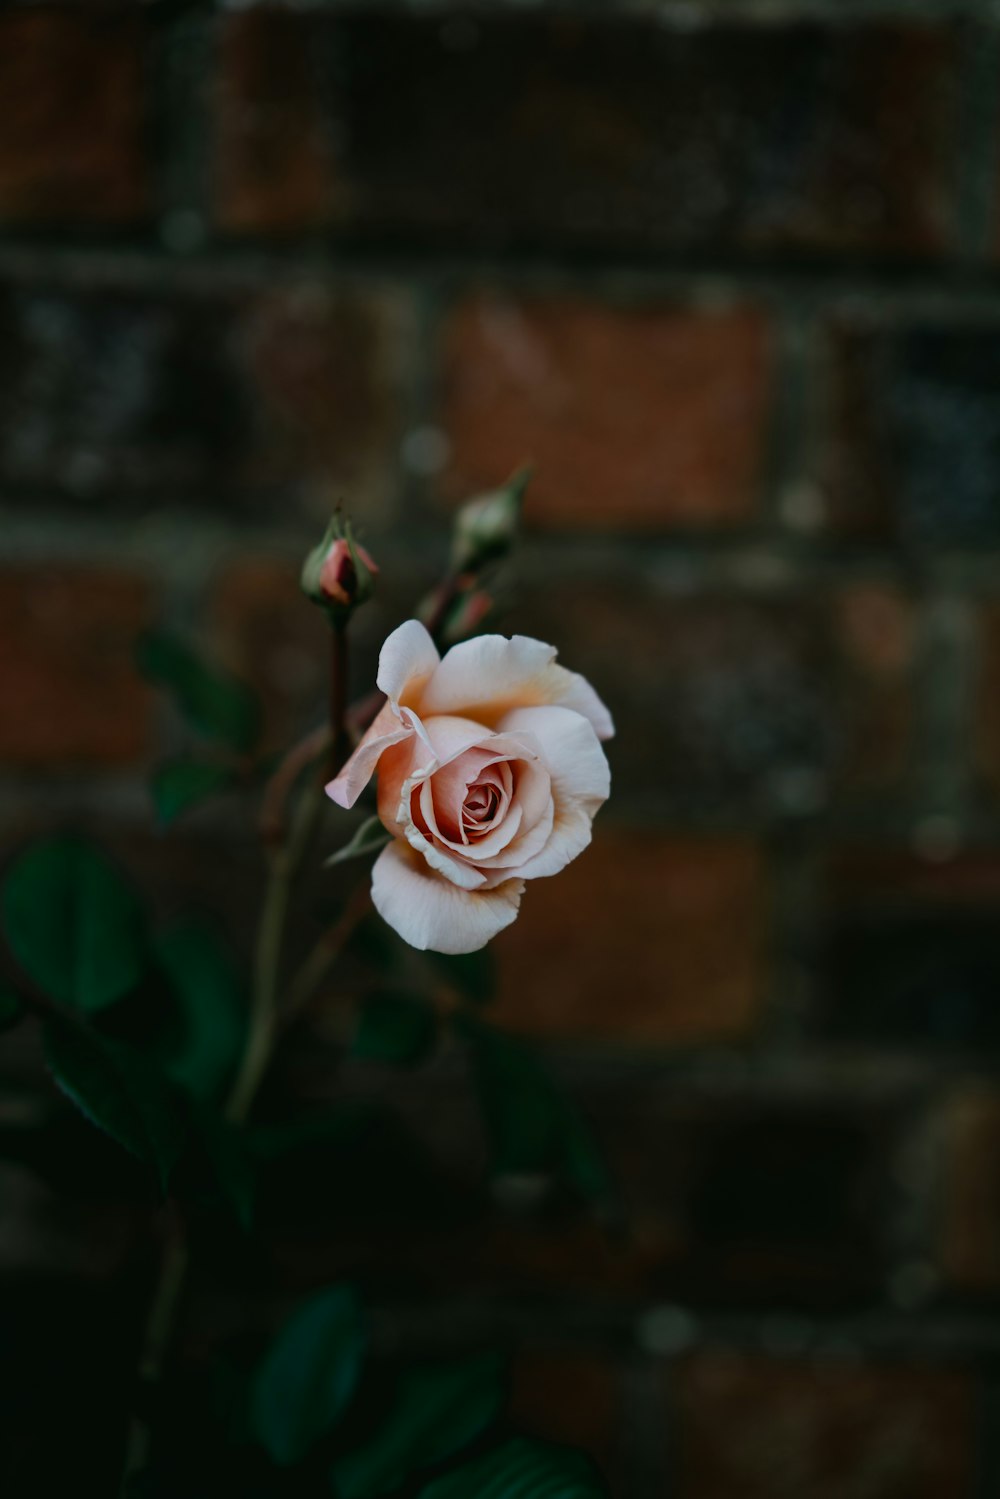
<point>727,274</point>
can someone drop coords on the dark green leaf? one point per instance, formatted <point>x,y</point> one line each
<point>395,1027</point>
<point>118,1090</point>
<point>11,1007</point>
<point>178,785</point>
<point>212,1005</point>
<point>308,1375</point>
<point>471,975</point>
<point>438,1410</point>
<point>520,1469</point>
<point>369,838</point>
<point>214,702</point>
<point>73,923</point>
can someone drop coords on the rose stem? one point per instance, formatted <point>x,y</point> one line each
<point>285,861</point>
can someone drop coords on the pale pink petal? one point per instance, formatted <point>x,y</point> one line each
<point>387,730</point>
<point>569,749</point>
<point>429,912</point>
<point>406,661</point>
<point>489,676</point>
<point>581,781</point>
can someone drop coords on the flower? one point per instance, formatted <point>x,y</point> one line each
<point>490,771</point>
<point>338,574</point>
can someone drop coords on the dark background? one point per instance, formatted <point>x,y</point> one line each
<point>727,273</point>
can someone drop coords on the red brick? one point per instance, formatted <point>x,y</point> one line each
<point>874,647</point>
<point>764,1429</point>
<point>70,692</point>
<point>969,1256</point>
<point>646,418</point>
<point>274,166</point>
<point>729,701</point>
<point>565,132</point>
<point>71,121</point>
<point>301,385</point>
<point>644,937</point>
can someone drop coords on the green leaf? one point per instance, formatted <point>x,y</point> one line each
<point>308,1375</point>
<point>369,838</point>
<point>119,1091</point>
<point>520,1469</point>
<point>395,1027</point>
<point>11,1007</point>
<point>438,1410</point>
<point>178,785</point>
<point>472,975</point>
<point>532,1126</point>
<point>212,1004</point>
<point>73,923</point>
<point>216,703</point>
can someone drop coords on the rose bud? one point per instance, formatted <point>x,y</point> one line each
<point>486,527</point>
<point>338,574</point>
<point>490,771</point>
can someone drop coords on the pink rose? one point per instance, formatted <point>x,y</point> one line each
<point>490,772</point>
<point>338,577</point>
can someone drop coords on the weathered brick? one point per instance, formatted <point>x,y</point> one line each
<point>911,448</point>
<point>541,131</point>
<point>275,165</point>
<point>640,417</point>
<point>733,701</point>
<point>72,122</point>
<point>626,943</point>
<point>204,398</point>
<point>71,693</point>
<point>909,951</point>
<point>798,1429</point>
<point>969,1250</point>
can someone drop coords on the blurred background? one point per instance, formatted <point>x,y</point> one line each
<point>725,272</point>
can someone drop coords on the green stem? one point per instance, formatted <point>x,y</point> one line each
<point>261,1032</point>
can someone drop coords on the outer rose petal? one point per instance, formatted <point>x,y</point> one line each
<point>429,912</point>
<point>386,730</point>
<point>487,677</point>
<point>405,662</point>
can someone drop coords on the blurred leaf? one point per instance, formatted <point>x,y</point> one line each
<point>369,838</point>
<point>212,1004</point>
<point>119,1091</point>
<point>228,1151</point>
<point>520,1469</point>
<point>472,975</point>
<point>11,1007</point>
<point>395,1027</point>
<point>178,785</point>
<point>531,1125</point>
<point>73,923</point>
<point>438,1409</point>
<point>216,703</point>
<point>308,1375</point>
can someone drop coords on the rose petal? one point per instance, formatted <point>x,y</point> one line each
<point>429,912</point>
<point>581,781</point>
<point>489,676</point>
<point>406,661</point>
<point>387,730</point>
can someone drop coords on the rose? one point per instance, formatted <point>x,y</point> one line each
<point>490,772</point>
